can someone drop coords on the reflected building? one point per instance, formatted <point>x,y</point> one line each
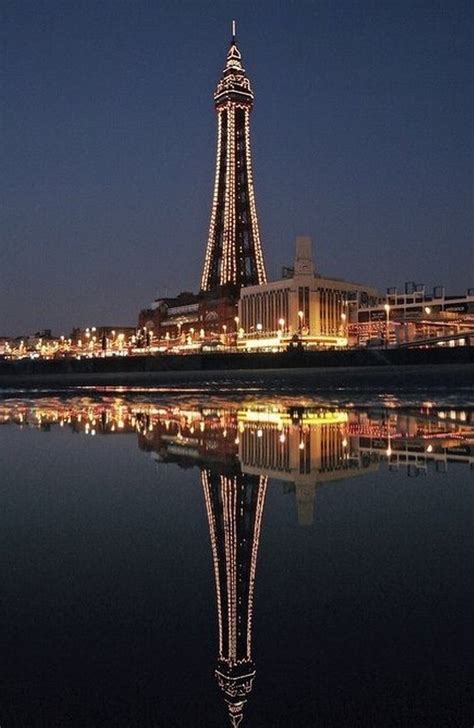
<point>303,448</point>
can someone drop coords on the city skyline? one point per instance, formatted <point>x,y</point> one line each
<point>361,138</point>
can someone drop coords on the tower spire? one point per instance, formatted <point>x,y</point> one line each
<point>233,32</point>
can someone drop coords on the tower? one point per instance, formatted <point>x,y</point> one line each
<point>234,504</point>
<point>234,255</point>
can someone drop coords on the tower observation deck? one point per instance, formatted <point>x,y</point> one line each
<point>234,255</point>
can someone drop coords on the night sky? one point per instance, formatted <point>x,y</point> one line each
<point>361,133</point>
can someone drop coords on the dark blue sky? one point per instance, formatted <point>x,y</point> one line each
<point>362,138</point>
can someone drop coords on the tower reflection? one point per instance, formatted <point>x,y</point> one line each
<point>234,504</point>
<point>239,451</point>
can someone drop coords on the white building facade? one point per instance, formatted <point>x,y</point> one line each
<point>305,307</point>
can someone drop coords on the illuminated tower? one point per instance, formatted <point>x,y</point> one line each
<point>234,254</point>
<point>234,505</point>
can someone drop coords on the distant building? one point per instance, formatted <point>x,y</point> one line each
<point>190,320</point>
<point>303,306</point>
<point>414,315</point>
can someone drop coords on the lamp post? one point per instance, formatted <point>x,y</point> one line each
<point>281,323</point>
<point>300,320</point>
<point>387,323</point>
<point>343,324</point>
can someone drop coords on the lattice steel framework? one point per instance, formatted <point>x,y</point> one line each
<point>234,252</point>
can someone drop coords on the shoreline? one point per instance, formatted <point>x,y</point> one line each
<point>442,366</point>
<point>389,377</point>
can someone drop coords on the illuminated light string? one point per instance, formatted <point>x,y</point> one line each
<point>262,276</point>
<point>205,283</point>
<point>229,224</point>
<point>215,557</point>
<point>262,490</point>
<point>228,512</point>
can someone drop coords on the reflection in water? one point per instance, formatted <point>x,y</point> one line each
<point>234,504</point>
<point>238,449</point>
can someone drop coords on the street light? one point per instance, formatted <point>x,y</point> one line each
<point>301,317</point>
<point>282,324</point>
<point>343,323</point>
<point>387,329</point>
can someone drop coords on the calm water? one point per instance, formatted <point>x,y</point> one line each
<point>252,558</point>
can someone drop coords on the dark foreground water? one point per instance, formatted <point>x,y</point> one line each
<point>172,558</point>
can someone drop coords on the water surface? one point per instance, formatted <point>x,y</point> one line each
<point>236,555</point>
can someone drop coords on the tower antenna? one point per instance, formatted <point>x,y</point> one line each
<point>233,31</point>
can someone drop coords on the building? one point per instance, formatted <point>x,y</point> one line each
<point>302,307</point>
<point>416,316</point>
<point>190,321</point>
<point>234,256</point>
